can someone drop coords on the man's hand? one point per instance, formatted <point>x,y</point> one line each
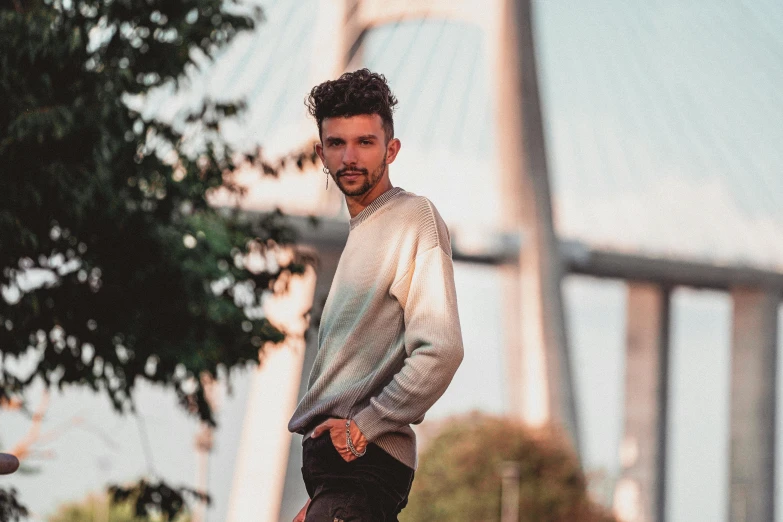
<point>336,429</point>
<point>300,517</point>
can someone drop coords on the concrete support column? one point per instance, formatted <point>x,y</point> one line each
<point>263,453</point>
<point>753,375</point>
<point>294,494</point>
<point>639,495</point>
<point>339,33</point>
<point>541,384</point>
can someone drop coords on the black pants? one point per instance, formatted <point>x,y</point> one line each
<point>372,488</point>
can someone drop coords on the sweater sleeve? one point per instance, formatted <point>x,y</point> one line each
<point>433,343</point>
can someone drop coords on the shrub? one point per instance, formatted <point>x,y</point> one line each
<point>459,475</point>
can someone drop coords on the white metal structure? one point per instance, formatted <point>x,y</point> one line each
<point>538,362</point>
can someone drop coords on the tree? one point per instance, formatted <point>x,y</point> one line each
<point>459,476</point>
<point>101,508</point>
<point>114,267</point>
<point>10,508</point>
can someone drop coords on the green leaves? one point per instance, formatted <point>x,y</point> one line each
<point>109,251</point>
<point>10,508</point>
<point>151,499</point>
<point>121,503</point>
<point>114,267</point>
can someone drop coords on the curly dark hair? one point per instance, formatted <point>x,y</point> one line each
<point>358,92</point>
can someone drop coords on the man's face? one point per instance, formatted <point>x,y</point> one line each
<point>355,151</point>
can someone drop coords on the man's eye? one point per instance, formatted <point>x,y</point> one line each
<point>366,142</point>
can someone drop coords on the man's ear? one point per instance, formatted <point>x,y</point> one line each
<point>319,149</point>
<point>392,148</point>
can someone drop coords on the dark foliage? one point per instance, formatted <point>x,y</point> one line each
<point>151,499</point>
<point>109,208</point>
<point>10,508</point>
<point>113,265</point>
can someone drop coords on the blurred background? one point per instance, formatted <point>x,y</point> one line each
<point>612,176</point>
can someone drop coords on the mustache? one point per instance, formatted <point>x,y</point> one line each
<point>350,170</point>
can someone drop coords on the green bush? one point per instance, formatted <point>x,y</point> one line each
<point>459,475</point>
<point>98,508</point>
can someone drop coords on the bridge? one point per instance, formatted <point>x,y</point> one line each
<point>604,132</point>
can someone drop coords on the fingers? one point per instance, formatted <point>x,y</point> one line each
<point>336,430</point>
<point>324,426</point>
<point>319,429</point>
<point>337,433</point>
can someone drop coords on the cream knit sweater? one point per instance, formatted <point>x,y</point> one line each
<point>389,340</point>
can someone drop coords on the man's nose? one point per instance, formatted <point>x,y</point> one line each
<point>349,155</point>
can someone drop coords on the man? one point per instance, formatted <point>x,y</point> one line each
<point>389,342</point>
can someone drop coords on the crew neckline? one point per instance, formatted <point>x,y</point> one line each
<point>377,203</point>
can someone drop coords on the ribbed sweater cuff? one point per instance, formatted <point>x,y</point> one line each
<point>372,425</point>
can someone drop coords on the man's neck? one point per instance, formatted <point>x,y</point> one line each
<point>358,203</point>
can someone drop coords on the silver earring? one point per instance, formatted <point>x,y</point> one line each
<point>326,171</point>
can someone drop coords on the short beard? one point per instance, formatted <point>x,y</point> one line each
<point>369,180</point>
